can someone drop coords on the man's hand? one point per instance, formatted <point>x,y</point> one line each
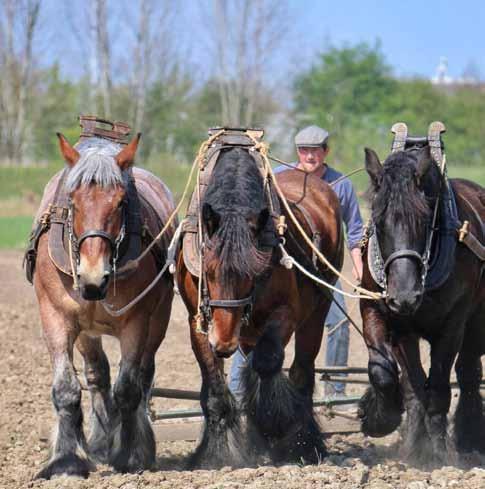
<point>357,264</point>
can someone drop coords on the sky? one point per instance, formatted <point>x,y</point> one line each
<point>414,33</point>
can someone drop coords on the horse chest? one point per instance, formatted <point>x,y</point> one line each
<point>95,326</point>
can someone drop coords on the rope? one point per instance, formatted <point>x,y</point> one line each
<point>196,164</point>
<point>367,294</point>
<point>293,167</point>
<point>289,259</point>
<point>169,262</point>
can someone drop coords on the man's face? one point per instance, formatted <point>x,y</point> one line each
<point>311,159</point>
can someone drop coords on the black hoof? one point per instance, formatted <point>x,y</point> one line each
<point>379,416</point>
<point>70,465</point>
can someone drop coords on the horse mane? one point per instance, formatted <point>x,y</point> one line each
<point>398,197</point>
<point>234,192</point>
<point>96,164</point>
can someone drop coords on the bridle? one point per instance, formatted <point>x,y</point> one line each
<point>423,259</point>
<point>208,303</point>
<point>114,242</point>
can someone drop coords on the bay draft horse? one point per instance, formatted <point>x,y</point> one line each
<point>450,317</point>
<point>96,182</point>
<point>255,303</point>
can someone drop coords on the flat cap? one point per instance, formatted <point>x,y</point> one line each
<point>311,136</point>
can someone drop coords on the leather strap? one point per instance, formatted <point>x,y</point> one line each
<point>231,302</point>
<point>402,254</point>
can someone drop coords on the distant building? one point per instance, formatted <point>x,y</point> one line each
<point>469,79</point>
<point>442,77</point>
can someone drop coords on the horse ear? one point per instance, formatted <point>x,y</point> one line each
<point>424,162</point>
<point>373,166</point>
<point>126,156</point>
<point>211,218</point>
<point>70,155</point>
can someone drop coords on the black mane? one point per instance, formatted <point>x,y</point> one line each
<point>235,193</point>
<point>398,196</point>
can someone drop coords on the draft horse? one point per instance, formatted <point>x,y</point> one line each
<point>252,302</point>
<point>108,211</point>
<point>435,290</point>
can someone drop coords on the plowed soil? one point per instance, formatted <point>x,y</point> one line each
<point>26,416</point>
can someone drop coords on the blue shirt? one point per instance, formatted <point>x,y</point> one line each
<point>348,204</point>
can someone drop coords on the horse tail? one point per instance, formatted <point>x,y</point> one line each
<point>278,411</point>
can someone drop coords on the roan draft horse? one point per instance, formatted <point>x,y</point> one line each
<point>108,212</point>
<point>249,300</point>
<point>424,250</point>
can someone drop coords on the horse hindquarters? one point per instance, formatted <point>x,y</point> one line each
<point>279,412</point>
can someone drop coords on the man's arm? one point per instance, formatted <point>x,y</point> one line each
<point>354,225</point>
<point>357,268</point>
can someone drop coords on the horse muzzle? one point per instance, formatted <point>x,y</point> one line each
<point>93,279</point>
<point>404,304</point>
<point>223,349</point>
<point>94,292</point>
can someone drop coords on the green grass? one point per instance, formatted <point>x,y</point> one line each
<point>17,185</point>
<point>474,173</point>
<point>14,231</point>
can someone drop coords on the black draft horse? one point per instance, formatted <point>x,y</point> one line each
<point>257,304</point>
<point>450,316</point>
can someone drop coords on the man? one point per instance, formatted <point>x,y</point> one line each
<point>312,149</point>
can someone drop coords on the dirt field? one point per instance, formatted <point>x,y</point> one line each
<point>26,415</point>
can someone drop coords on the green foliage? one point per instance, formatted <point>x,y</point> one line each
<point>351,91</point>
<point>14,232</point>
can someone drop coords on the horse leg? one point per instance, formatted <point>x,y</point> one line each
<point>222,441</point>
<point>133,442</point>
<point>97,374</point>
<point>380,408</point>
<point>438,390</point>
<point>415,439</point>
<point>68,456</point>
<point>469,421</point>
<point>281,410</point>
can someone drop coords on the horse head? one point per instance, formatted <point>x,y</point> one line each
<point>404,192</point>
<point>235,214</point>
<point>97,189</point>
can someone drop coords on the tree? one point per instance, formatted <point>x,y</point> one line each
<point>244,35</point>
<point>18,28</point>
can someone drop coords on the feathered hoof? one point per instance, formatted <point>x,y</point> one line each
<point>221,449</point>
<point>71,465</point>
<point>378,417</point>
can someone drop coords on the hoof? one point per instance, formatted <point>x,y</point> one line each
<point>70,465</point>
<point>133,460</point>
<point>378,416</point>
<point>99,453</point>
